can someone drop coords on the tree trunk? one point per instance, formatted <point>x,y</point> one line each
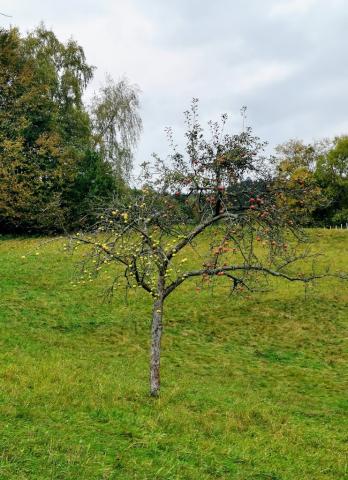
<point>156,333</point>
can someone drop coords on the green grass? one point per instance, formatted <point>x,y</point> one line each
<point>253,388</point>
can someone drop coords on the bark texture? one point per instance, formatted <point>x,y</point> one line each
<point>156,334</point>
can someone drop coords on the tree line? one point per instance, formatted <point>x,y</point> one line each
<point>61,160</point>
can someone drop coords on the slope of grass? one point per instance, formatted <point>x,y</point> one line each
<point>253,388</point>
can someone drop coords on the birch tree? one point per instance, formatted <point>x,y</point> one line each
<point>117,124</point>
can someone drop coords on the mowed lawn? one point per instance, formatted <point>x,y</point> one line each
<point>252,388</point>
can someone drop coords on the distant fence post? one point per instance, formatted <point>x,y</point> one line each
<point>342,226</point>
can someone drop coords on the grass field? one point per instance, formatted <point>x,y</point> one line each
<point>253,388</point>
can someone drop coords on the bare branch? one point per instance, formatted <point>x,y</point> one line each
<point>248,268</point>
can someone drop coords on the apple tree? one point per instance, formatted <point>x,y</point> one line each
<point>221,188</point>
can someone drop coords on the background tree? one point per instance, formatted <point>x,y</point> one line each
<point>93,187</point>
<point>295,167</point>
<point>117,124</point>
<point>332,176</point>
<point>151,236</point>
<point>55,162</point>
<point>44,126</point>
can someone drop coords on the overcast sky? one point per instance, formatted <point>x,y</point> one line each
<point>285,59</point>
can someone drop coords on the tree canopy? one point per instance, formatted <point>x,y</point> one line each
<point>322,167</point>
<point>332,176</point>
<point>51,165</point>
<point>116,124</point>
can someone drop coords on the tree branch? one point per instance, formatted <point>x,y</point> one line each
<point>194,233</point>
<point>248,268</point>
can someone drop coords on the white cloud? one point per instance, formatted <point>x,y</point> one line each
<point>288,7</point>
<point>258,75</point>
